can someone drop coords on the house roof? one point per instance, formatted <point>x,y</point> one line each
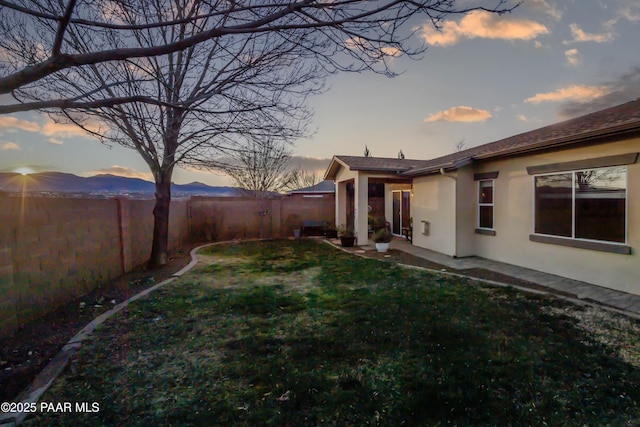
<point>376,164</point>
<point>615,121</point>
<point>326,186</point>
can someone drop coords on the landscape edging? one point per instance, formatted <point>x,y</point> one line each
<point>41,383</point>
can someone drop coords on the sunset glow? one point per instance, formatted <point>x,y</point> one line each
<point>23,170</point>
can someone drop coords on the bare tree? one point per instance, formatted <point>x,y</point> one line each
<point>261,168</point>
<point>461,145</point>
<point>367,153</point>
<point>299,178</point>
<point>39,37</point>
<point>191,81</point>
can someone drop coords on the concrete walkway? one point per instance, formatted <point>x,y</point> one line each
<point>624,302</point>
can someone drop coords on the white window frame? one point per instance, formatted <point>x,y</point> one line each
<point>493,198</point>
<point>573,206</point>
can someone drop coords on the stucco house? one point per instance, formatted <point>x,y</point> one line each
<point>563,199</point>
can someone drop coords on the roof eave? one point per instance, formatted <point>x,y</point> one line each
<point>569,140</point>
<point>449,166</point>
<point>332,169</point>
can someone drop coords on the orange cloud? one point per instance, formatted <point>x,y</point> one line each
<point>572,56</point>
<point>9,146</point>
<point>11,123</point>
<point>357,43</point>
<point>481,24</point>
<point>461,113</point>
<point>570,93</point>
<point>51,128</point>
<point>579,35</point>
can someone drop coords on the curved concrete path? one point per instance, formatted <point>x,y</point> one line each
<point>583,293</point>
<point>586,294</point>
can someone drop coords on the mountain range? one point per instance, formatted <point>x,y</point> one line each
<point>57,182</point>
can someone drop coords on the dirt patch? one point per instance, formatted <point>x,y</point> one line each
<point>614,330</point>
<point>26,353</point>
<point>303,280</point>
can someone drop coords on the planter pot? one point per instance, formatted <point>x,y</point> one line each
<point>347,242</point>
<point>382,247</point>
<point>296,233</point>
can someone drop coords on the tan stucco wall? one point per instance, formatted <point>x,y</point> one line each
<point>434,201</point>
<point>467,216</point>
<point>342,177</point>
<point>514,222</point>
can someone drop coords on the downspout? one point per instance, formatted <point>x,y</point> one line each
<point>455,208</point>
<point>448,175</point>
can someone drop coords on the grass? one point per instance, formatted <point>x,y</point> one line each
<point>295,333</point>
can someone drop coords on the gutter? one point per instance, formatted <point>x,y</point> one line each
<point>448,175</point>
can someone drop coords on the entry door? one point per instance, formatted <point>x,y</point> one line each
<point>401,211</point>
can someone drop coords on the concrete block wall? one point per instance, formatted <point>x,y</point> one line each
<point>225,218</point>
<point>53,250</point>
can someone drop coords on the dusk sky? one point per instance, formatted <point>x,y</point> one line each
<point>483,77</point>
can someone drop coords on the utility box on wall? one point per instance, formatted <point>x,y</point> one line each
<point>425,228</point>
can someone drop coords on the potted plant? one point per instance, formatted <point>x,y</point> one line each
<point>347,236</point>
<point>382,237</point>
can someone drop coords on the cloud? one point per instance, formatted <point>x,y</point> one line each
<point>63,130</point>
<point>624,88</point>
<point>545,7</point>
<point>573,57</point>
<point>579,35</point>
<point>570,93</point>
<point>357,43</point>
<point>122,171</point>
<point>526,119</point>
<point>481,24</point>
<point>461,113</point>
<point>631,12</point>
<point>55,141</point>
<point>7,145</point>
<point>11,123</point>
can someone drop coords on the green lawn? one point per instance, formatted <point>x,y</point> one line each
<point>296,333</point>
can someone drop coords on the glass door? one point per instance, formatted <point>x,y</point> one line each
<point>401,211</point>
<point>396,227</point>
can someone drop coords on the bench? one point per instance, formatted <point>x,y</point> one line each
<point>313,228</point>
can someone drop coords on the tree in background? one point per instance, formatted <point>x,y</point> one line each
<point>265,167</point>
<point>461,145</point>
<point>191,81</point>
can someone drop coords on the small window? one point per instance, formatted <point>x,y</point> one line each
<point>586,204</point>
<point>485,204</point>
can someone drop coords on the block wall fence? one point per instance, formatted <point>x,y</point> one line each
<point>54,250</point>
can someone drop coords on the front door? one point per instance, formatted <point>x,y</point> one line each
<point>401,211</point>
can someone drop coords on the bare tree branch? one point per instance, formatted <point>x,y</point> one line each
<point>349,17</point>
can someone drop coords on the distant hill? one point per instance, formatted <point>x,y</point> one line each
<point>57,182</point>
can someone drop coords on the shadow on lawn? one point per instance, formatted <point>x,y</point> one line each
<point>368,344</point>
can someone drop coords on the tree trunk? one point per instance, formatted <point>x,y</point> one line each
<point>159,248</point>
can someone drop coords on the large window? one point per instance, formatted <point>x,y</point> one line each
<point>485,204</point>
<point>587,204</point>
